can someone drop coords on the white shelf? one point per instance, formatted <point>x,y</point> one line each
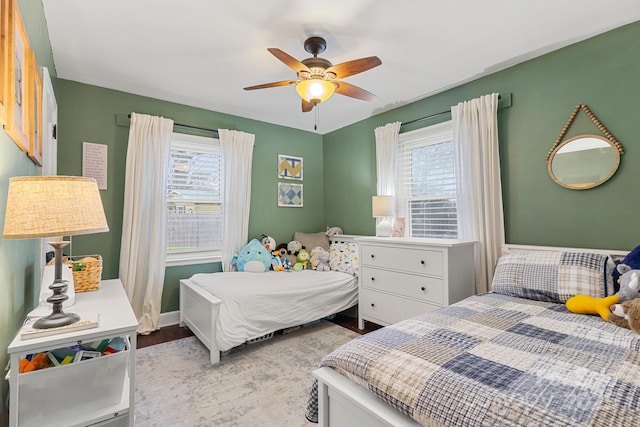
<point>78,394</point>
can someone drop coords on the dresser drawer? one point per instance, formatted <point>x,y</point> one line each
<point>387,309</point>
<point>424,288</point>
<point>403,259</point>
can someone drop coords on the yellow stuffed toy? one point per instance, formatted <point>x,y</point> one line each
<point>585,304</point>
<point>629,289</point>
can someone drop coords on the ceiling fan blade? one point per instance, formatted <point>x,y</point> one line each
<point>289,60</point>
<point>347,89</point>
<point>306,106</point>
<point>274,84</point>
<point>356,66</point>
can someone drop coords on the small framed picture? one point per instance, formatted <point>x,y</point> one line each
<point>35,93</point>
<point>19,114</point>
<point>398,228</point>
<point>289,167</point>
<point>4,57</point>
<point>289,195</point>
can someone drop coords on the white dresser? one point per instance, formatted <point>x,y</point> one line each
<point>402,278</point>
<point>96,392</point>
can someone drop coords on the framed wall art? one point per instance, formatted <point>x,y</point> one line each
<point>289,167</point>
<point>4,57</point>
<point>18,101</point>
<point>35,95</point>
<point>289,195</point>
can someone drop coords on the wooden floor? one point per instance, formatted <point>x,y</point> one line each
<point>174,332</point>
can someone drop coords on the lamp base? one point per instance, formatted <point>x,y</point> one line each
<point>55,320</point>
<point>384,228</point>
<point>57,317</point>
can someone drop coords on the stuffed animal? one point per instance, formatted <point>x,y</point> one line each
<point>629,289</point>
<point>303,258</point>
<point>268,242</point>
<point>293,247</point>
<point>320,259</point>
<point>276,261</point>
<point>254,257</point>
<point>626,315</point>
<point>332,231</point>
<point>632,260</point>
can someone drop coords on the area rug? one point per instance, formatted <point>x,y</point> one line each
<point>263,384</point>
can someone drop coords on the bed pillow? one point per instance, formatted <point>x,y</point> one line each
<point>343,256</point>
<point>554,276</point>
<point>311,240</point>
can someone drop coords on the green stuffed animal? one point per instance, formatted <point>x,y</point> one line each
<point>303,259</point>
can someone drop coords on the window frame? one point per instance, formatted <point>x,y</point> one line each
<point>429,135</point>
<point>181,257</point>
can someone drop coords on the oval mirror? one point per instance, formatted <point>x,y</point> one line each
<point>584,161</point>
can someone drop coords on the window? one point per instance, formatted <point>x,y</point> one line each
<point>426,182</point>
<point>194,200</point>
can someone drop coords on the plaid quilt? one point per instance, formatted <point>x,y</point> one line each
<point>499,360</point>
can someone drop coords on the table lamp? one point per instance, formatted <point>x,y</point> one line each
<point>383,207</point>
<point>44,206</point>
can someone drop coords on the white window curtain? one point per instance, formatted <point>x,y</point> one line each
<point>143,247</point>
<point>237,154</point>
<point>387,157</point>
<point>480,214</point>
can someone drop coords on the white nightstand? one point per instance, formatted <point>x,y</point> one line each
<point>402,278</point>
<point>99,391</point>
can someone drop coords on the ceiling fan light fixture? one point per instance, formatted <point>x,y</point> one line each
<point>315,89</point>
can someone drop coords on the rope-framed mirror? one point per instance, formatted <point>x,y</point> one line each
<point>584,161</point>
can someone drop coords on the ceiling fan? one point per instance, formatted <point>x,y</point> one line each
<point>318,78</point>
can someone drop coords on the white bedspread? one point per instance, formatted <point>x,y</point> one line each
<point>255,304</point>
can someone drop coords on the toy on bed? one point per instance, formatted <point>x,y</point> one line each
<point>632,259</point>
<point>626,315</point>
<point>303,260</point>
<point>268,242</point>
<point>629,289</point>
<point>253,257</point>
<point>320,259</point>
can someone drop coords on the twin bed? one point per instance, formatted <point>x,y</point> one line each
<point>225,310</point>
<point>511,357</point>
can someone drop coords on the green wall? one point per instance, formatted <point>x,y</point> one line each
<point>601,72</point>
<point>19,269</point>
<point>88,114</point>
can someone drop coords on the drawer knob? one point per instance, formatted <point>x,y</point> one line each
<point>373,305</point>
<point>422,262</point>
<point>423,289</point>
<point>373,279</point>
<point>373,256</point>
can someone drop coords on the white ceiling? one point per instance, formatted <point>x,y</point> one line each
<point>203,52</point>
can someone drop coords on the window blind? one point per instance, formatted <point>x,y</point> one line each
<point>426,182</point>
<point>194,195</point>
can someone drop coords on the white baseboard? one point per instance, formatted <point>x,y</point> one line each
<point>169,319</point>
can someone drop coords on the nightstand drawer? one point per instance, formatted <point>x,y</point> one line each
<point>403,259</point>
<point>387,309</point>
<point>424,288</point>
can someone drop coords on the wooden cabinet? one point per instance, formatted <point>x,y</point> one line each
<point>99,391</point>
<point>401,278</point>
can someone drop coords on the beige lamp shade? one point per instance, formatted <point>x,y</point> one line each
<point>382,206</point>
<point>43,206</point>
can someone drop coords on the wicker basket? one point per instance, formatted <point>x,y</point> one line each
<point>87,272</point>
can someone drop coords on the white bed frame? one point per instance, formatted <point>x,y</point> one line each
<point>343,403</point>
<point>199,310</point>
